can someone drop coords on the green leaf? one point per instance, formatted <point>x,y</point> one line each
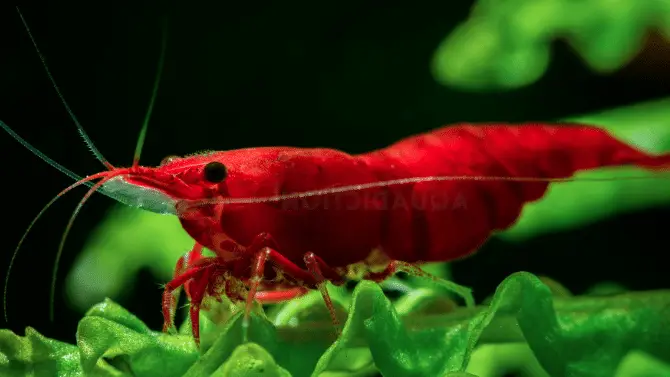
<point>36,356</point>
<point>640,364</point>
<point>260,332</point>
<point>506,44</point>
<point>113,342</point>
<point>293,349</point>
<point>614,335</point>
<point>582,336</point>
<point>128,240</point>
<point>394,350</point>
<point>505,359</point>
<point>250,360</point>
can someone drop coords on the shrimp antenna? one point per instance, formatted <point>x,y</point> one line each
<point>147,116</point>
<point>83,133</point>
<point>61,247</point>
<point>53,163</point>
<point>39,154</point>
<point>84,181</point>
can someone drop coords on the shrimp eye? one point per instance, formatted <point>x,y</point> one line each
<point>168,159</point>
<point>215,172</point>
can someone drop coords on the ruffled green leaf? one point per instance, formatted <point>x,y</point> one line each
<point>581,336</point>
<point>250,360</point>
<point>33,355</point>
<point>507,43</point>
<point>394,350</point>
<point>586,336</point>
<point>113,342</point>
<point>422,334</point>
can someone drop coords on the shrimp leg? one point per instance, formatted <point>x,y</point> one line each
<point>316,265</point>
<point>272,297</point>
<point>183,264</point>
<point>314,274</point>
<point>258,273</point>
<point>200,275</point>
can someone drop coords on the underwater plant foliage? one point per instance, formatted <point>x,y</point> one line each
<point>568,336</point>
<point>506,44</point>
<point>127,240</point>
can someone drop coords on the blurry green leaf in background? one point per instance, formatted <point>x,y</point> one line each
<point>128,240</point>
<point>506,44</point>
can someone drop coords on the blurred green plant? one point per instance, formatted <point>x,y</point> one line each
<point>570,336</point>
<point>130,239</point>
<point>506,44</point>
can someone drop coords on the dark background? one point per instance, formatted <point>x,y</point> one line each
<point>349,75</point>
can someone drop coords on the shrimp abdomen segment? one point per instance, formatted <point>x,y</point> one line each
<point>445,220</point>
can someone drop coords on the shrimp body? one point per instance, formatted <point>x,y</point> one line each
<point>339,227</point>
<point>309,240</point>
<point>424,221</point>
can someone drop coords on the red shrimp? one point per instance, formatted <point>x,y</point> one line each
<point>321,215</point>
